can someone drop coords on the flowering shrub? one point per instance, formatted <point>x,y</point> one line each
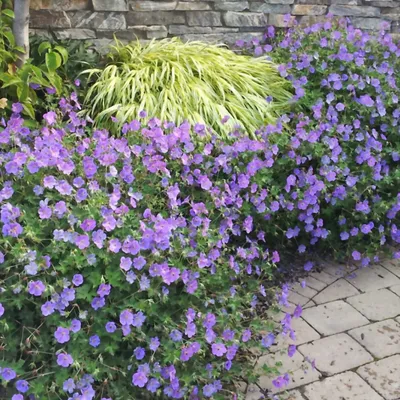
<point>336,181</point>
<point>131,267</point>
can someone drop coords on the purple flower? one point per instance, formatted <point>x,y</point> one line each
<point>17,397</point>
<point>98,302</point>
<point>8,374</point>
<point>94,341</point>
<point>139,379</point>
<point>77,279</point>
<point>154,343</point>
<point>138,319</point>
<point>50,117</point>
<point>14,229</point>
<point>36,288</point>
<point>22,386</point>
<point>308,266</point>
<point>356,255</point>
<point>139,353</point>
<point>62,335</point>
<point>218,349</point>
<point>298,311</point>
<point>111,327</point>
<point>246,336</point>
<point>291,350</point>
<point>64,360</point>
<point>176,335</point>
<point>281,381</point>
<point>82,241</point>
<point>268,340</point>
<point>104,290</point>
<point>153,385</point>
<point>69,385</point>
<point>1,310</point>
<point>75,325</point>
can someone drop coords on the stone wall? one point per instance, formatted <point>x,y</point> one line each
<point>213,20</point>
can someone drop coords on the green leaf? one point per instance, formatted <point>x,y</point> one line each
<point>63,52</point>
<point>8,13</point>
<point>43,47</point>
<point>53,61</point>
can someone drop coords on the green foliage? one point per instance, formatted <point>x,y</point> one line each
<point>192,81</point>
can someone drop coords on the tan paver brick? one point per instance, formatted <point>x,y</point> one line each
<point>324,277</point>
<point>346,386</point>
<point>377,305</point>
<point>395,289</point>
<point>338,290</point>
<point>373,278</point>
<point>383,376</point>
<point>336,354</point>
<point>299,370</point>
<point>381,339</point>
<point>393,266</point>
<point>334,317</point>
<point>315,283</point>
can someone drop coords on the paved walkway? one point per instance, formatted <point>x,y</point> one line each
<point>350,326</point>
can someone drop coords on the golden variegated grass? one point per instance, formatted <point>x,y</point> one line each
<point>194,81</point>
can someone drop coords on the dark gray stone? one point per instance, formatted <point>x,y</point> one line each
<point>357,11</point>
<point>155,18</point>
<point>44,18</point>
<point>245,19</point>
<point>204,18</point>
<point>74,33</point>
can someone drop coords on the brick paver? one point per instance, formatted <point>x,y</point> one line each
<point>373,278</point>
<point>358,356</point>
<point>384,376</point>
<point>381,339</point>
<point>337,291</point>
<point>377,305</point>
<point>345,386</point>
<point>334,317</point>
<point>336,354</point>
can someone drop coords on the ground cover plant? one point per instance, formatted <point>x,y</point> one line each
<point>133,266</point>
<point>194,81</point>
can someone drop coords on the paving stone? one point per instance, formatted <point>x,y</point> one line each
<point>393,266</point>
<point>253,393</point>
<point>309,304</point>
<point>296,298</point>
<point>346,386</point>
<point>336,354</point>
<point>300,371</point>
<point>395,289</point>
<point>324,277</point>
<point>333,317</point>
<point>293,395</point>
<point>373,278</point>
<point>381,339</point>
<point>304,291</point>
<point>338,290</point>
<point>336,269</point>
<point>377,305</point>
<point>315,283</point>
<point>303,333</point>
<point>383,376</point>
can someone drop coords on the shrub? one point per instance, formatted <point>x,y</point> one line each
<point>335,185</point>
<point>194,81</point>
<point>130,268</point>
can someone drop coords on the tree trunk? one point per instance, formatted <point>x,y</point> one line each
<point>21,28</point>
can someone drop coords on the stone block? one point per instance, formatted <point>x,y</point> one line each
<point>395,289</point>
<point>183,29</point>
<point>335,317</point>
<point>308,20</point>
<point>370,23</point>
<point>232,18</point>
<point>154,31</point>
<point>153,5</point>
<point>60,5</point>
<point>383,376</point>
<point>231,5</point>
<point>302,373</point>
<point>304,333</point>
<point>204,18</point>
<point>347,2</point>
<point>281,20</point>
<point>373,278</point>
<point>384,4</point>
<point>155,18</point>
<point>279,1</point>
<point>346,386</point>
<point>81,34</point>
<point>44,18</point>
<point>338,290</point>
<point>392,15</point>
<point>308,9</point>
<point>315,283</point>
<point>193,6</point>
<point>110,5</point>
<point>305,291</point>
<point>377,305</point>
<point>381,339</point>
<point>356,11</point>
<point>126,35</point>
<point>335,354</point>
<point>270,8</point>
<point>324,277</point>
<point>317,2</point>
